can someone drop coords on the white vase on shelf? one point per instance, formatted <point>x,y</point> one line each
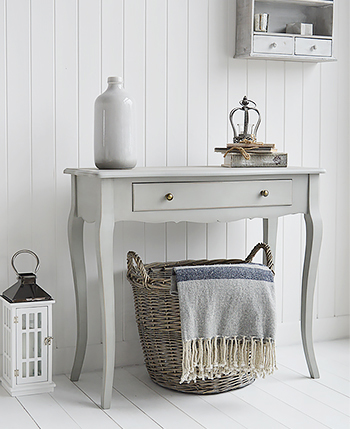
<point>114,138</point>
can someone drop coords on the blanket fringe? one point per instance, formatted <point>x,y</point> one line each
<point>209,358</point>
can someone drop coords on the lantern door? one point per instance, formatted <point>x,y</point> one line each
<point>32,351</point>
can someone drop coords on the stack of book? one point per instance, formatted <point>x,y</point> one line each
<point>252,154</point>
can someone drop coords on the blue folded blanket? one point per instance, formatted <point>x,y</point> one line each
<point>228,320</point>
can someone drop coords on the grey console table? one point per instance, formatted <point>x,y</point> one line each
<point>193,194</point>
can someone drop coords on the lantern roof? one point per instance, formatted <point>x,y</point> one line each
<point>25,289</point>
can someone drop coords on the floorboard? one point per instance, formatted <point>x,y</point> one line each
<point>287,399</point>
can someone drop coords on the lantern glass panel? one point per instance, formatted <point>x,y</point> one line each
<point>24,370</point>
<point>31,368</point>
<point>39,320</point>
<point>24,319</point>
<point>39,344</point>
<point>24,348</point>
<point>39,367</point>
<point>31,344</point>
<point>31,321</point>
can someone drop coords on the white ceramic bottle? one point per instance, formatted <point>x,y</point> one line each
<point>114,128</point>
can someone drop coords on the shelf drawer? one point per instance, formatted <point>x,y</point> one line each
<point>210,195</point>
<point>273,45</point>
<point>313,47</point>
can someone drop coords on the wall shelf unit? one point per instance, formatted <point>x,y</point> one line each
<point>276,43</point>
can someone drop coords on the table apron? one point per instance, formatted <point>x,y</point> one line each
<point>91,191</point>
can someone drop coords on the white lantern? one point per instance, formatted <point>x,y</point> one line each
<point>27,335</point>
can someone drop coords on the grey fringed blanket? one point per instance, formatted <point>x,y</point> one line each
<point>227,320</point>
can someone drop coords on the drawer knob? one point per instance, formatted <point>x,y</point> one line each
<point>314,47</point>
<point>169,196</point>
<point>264,193</point>
<point>274,45</point>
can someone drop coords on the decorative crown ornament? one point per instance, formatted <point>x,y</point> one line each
<point>248,131</point>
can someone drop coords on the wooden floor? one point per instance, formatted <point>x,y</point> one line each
<point>288,399</point>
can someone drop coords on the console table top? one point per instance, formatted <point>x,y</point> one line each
<point>196,171</point>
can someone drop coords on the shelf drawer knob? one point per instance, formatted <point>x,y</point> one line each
<point>264,193</point>
<point>314,47</point>
<point>169,196</point>
<point>274,45</point>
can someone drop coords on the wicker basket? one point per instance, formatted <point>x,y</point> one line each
<point>159,325</point>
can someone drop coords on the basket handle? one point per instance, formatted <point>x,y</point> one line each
<point>133,260</point>
<point>268,254</point>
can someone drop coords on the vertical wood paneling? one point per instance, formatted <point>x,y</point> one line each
<point>3,144</point>
<point>133,239</point>
<point>134,66</point>
<point>197,82</point>
<point>176,57</point>
<point>217,78</point>
<point>112,40</point>
<point>177,82</point>
<point>156,76</point>
<point>291,226</point>
<point>328,196</point>
<point>66,147</point>
<point>196,241</point>
<point>342,268</point>
<point>4,263</point>
<point>43,148</point>
<point>275,133</point>
<point>311,114</point>
<point>19,136</point>
<point>176,241</point>
<point>89,67</point>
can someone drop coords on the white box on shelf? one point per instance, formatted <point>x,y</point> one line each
<point>301,28</point>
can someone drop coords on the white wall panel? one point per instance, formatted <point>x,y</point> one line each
<point>156,81</point>
<point>112,39</point>
<point>176,57</point>
<point>197,82</point>
<point>328,196</point>
<point>66,153</point>
<point>89,68</point>
<point>19,124</point>
<point>177,84</point>
<point>4,263</point>
<point>43,210</point>
<point>342,289</point>
<point>291,226</point>
<point>134,66</point>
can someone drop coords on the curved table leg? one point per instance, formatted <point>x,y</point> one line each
<point>104,247</point>
<point>312,251</point>
<point>76,247</point>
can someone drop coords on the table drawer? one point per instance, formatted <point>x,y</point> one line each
<point>210,195</point>
<point>313,47</point>
<point>273,45</point>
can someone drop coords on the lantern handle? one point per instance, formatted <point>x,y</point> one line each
<point>25,251</point>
